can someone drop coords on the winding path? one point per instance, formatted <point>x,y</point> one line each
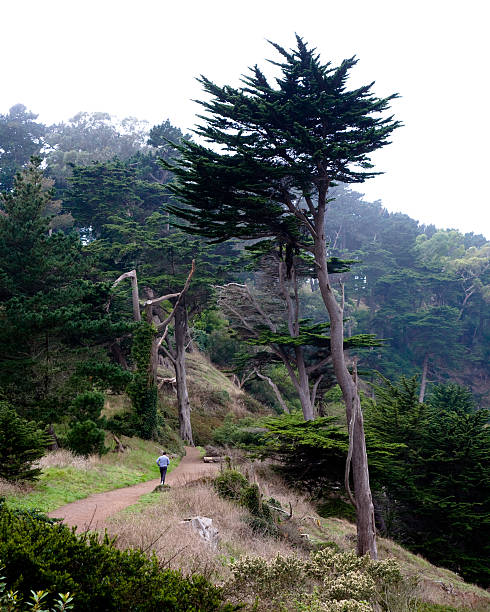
<point>91,512</point>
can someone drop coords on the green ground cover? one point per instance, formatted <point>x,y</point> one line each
<point>63,484</point>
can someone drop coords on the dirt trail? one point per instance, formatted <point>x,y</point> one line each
<point>92,511</point>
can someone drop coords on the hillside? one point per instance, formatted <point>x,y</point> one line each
<point>140,526</point>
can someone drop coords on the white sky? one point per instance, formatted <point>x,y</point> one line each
<point>141,58</point>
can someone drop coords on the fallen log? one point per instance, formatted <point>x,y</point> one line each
<point>213,459</point>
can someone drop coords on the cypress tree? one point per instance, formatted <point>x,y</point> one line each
<point>277,152</point>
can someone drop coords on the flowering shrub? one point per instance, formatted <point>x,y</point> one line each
<point>327,581</point>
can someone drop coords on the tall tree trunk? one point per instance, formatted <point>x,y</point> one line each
<point>181,375</point>
<point>423,382</point>
<point>366,530</point>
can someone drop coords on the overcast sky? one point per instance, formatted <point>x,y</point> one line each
<point>140,58</point>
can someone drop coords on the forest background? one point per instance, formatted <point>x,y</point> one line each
<point>94,204</point>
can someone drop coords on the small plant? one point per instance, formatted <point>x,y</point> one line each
<point>11,601</point>
<point>86,438</point>
<point>21,444</point>
<point>230,484</point>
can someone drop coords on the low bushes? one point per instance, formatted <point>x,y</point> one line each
<point>231,484</point>
<point>327,581</point>
<point>38,554</point>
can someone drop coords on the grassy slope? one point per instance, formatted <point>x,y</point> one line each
<point>212,397</point>
<point>65,480</point>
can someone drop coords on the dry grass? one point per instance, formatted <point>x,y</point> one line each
<point>13,488</point>
<point>65,458</point>
<point>159,528</point>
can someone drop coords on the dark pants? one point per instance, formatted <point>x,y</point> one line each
<point>163,473</point>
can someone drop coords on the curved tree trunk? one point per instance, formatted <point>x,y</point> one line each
<point>366,530</point>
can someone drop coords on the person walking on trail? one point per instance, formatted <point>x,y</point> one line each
<point>163,462</point>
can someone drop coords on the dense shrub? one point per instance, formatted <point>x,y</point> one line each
<point>87,405</point>
<point>432,491</point>
<point>104,374</point>
<point>123,424</point>
<point>86,438</point>
<point>230,484</point>
<point>39,555</point>
<point>238,433</point>
<point>233,485</point>
<point>21,443</point>
<point>327,581</point>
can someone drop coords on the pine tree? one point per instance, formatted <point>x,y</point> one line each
<point>51,311</point>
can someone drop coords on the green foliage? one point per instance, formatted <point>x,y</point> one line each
<point>38,555</point>
<point>21,444</point>
<point>85,438</point>
<point>52,312</point>
<point>262,519</point>
<point>237,433</point>
<point>87,405</point>
<point>280,135</point>
<point>11,602</point>
<point>21,137</point>
<point>451,397</point>
<point>311,454</point>
<point>328,581</point>
<point>333,395</point>
<point>104,375</point>
<point>141,389</point>
<point>433,488</point>
<point>230,484</point>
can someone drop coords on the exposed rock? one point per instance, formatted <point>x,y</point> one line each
<point>204,526</point>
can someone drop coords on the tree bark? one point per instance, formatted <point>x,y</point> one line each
<point>181,375</point>
<point>55,445</point>
<point>423,382</point>
<point>366,530</point>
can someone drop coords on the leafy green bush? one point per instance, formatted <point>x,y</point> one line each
<point>261,520</point>
<point>39,555</point>
<point>238,433</point>
<point>86,438</point>
<point>104,374</point>
<point>10,601</point>
<point>230,484</point>
<point>87,406</point>
<point>123,424</point>
<point>333,395</point>
<point>21,443</point>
